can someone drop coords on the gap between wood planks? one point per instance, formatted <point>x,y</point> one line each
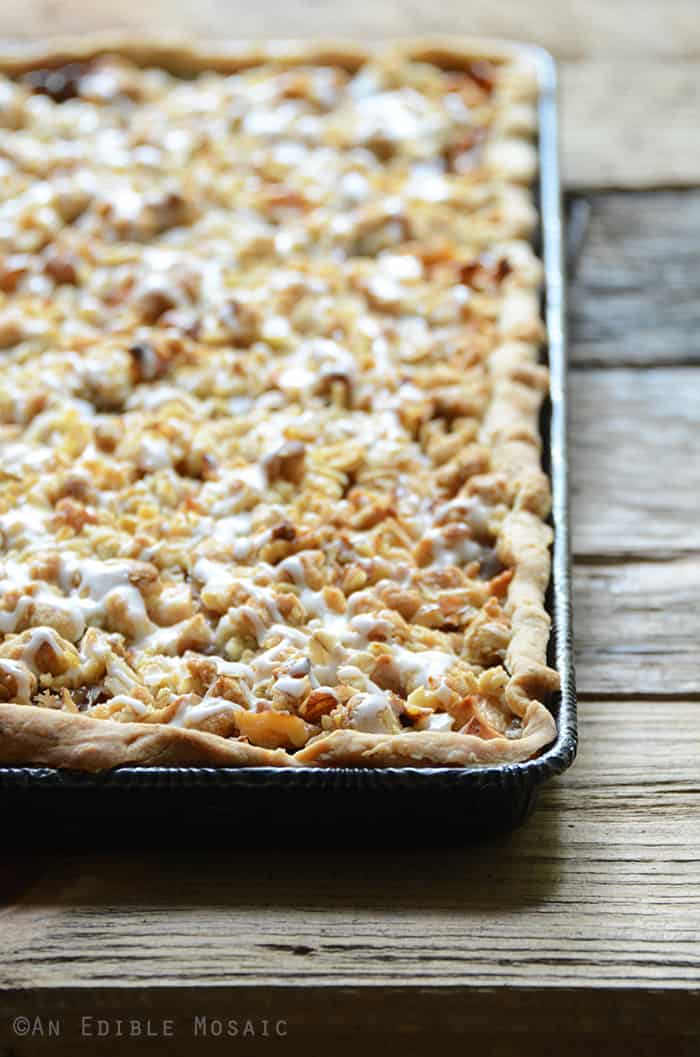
<point>650,698</point>
<point>593,364</point>
<point>630,558</point>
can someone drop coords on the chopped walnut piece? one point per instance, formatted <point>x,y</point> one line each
<point>62,269</point>
<point>149,363</point>
<point>287,463</point>
<point>170,210</point>
<point>152,304</point>
<point>284,531</point>
<point>12,271</point>
<point>12,329</point>
<point>241,322</point>
<point>319,703</point>
<point>73,514</point>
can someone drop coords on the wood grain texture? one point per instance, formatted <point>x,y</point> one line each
<point>596,892</point>
<point>634,465</point>
<point>637,627</point>
<point>630,123</point>
<point>572,29</point>
<point>635,296</point>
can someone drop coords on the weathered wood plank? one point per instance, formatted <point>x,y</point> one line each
<point>630,123</point>
<point>597,28</point>
<point>637,627</point>
<point>634,492</point>
<point>598,890</point>
<point>635,468</point>
<point>635,297</point>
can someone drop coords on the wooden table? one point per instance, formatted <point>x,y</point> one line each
<point>579,933</point>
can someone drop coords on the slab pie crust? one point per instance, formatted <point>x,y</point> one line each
<point>271,495</point>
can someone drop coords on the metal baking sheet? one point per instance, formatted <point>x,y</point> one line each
<point>328,807</point>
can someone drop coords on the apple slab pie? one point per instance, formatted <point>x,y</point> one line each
<point>270,479</point>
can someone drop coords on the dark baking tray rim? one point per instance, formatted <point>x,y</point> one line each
<point>519,780</point>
